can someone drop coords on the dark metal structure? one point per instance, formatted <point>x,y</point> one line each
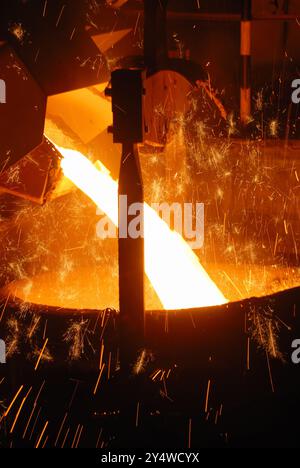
<point>127,90</point>
<point>245,94</point>
<point>41,55</point>
<point>155,34</point>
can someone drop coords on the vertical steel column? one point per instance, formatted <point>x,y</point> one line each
<point>155,34</point>
<point>245,91</point>
<point>131,259</point>
<point>127,90</point>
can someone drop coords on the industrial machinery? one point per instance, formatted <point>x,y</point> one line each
<point>150,342</point>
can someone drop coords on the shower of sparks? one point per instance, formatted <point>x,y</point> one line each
<point>250,225</point>
<point>264,330</point>
<point>13,337</point>
<point>143,360</point>
<point>172,267</point>
<point>74,336</point>
<point>18,31</point>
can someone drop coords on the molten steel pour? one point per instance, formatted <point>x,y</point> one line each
<point>172,267</point>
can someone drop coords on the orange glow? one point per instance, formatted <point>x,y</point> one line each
<point>172,267</point>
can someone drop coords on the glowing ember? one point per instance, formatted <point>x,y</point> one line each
<point>172,267</point>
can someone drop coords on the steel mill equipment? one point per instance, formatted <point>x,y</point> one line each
<point>114,341</point>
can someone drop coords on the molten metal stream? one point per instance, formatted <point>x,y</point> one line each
<point>172,267</point>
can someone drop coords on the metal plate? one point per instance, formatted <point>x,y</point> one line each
<point>22,117</point>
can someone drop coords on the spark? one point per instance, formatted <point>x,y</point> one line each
<point>33,409</point>
<point>190,434</point>
<point>46,440</point>
<point>18,31</point>
<point>109,366</point>
<point>79,437</point>
<point>156,374</point>
<point>75,436</point>
<point>19,411</point>
<point>41,355</point>
<point>65,439</point>
<point>101,355</point>
<point>274,128</point>
<point>35,423</point>
<point>37,55</point>
<point>60,15</point>
<point>29,421</point>
<point>137,415</point>
<point>13,338</point>
<point>4,307</point>
<point>275,245</point>
<point>36,321</point>
<point>270,373</point>
<point>42,435</point>
<point>72,34</point>
<point>136,24</point>
<point>207,396</point>
<point>98,380</point>
<point>248,353</point>
<point>99,438</point>
<point>12,403</point>
<point>233,284</point>
<point>45,8</point>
